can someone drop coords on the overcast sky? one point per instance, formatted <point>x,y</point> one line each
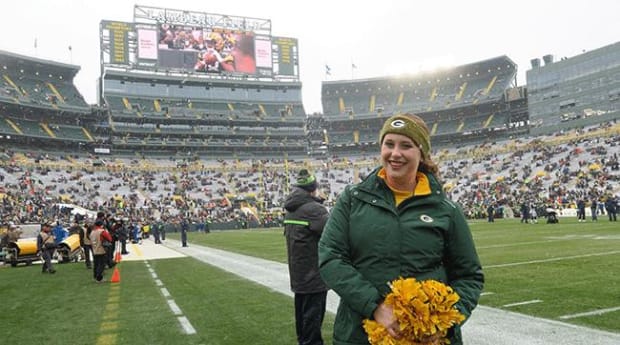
<point>381,38</point>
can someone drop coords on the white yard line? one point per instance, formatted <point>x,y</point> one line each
<point>486,326</point>
<point>590,313</point>
<point>561,258</point>
<point>186,326</point>
<point>519,244</point>
<point>521,303</point>
<point>174,307</point>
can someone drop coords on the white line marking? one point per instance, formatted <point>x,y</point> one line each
<point>523,243</point>
<point>487,293</point>
<point>187,327</point>
<point>552,259</point>
<point>183,321</point>
<point>522,303</point>
<point>590,313</point>
<point>174,307</point>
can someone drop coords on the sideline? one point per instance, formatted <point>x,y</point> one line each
<point>487,326</point>
<point>108,330</point>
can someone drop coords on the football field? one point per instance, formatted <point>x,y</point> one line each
<point>542,280</point>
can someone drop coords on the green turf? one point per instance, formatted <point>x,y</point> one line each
<point>38,308</point>
<point>268,244</point>
<point>69,308</point>
<point>570,266</point>
<point>584,283</point>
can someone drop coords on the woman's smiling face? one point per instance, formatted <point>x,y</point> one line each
<point>400,157</point>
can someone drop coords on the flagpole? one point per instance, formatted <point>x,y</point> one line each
<point>352,68</point>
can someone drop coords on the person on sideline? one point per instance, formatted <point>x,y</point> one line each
<point>46,245</point>
<point>13,233</point>
<point>581,210</point>
<point>59,232</point>
<point>99,236</point>
<point>184,230</point>
<point>303,224</point>
<point>611,206</point>
<point>85,242</point>
<point>533,214</point>
<point>491,213</point>
<point>593,209</point>
<point>525,212</point>
<point>396,223</point>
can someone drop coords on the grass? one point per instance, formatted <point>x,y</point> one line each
<point>571,267</point>
<point>268,244</point>
<point>69,308</point>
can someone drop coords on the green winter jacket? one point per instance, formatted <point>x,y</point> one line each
<point>368,242</point>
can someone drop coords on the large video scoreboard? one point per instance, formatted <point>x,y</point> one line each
<point>177,40</point>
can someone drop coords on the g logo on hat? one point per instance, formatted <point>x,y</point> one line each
<point>411,126</point>
<point>398,123</point>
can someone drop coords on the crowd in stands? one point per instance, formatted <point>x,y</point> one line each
<point>542,173</point>
<point>560,172</point>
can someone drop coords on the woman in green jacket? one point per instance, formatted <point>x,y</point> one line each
<point>396,223</point>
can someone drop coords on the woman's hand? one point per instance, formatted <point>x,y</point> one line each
<point>384,315</point>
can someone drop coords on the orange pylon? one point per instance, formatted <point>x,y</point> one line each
<point>116,276</point>
<point>117,257</point>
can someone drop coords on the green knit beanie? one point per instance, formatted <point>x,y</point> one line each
<point>404,125</point>
<point>306,180</point>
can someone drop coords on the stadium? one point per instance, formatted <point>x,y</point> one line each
<point>199,118</point>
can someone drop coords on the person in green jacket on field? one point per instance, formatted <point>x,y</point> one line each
<point>396,223</point>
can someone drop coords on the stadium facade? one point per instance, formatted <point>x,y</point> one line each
<point>196,85</point>
<point>574,92</point>
<point>41,107</point>
<point>468,103</point>
<point>185,84</point>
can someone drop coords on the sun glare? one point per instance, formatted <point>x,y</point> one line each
<point>432,64</point>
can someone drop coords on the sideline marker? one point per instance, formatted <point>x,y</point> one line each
<point>116,276</point>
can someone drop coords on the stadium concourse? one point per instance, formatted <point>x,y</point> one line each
<point>487,326</point>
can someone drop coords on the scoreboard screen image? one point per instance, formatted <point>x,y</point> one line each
<point>200,44</point>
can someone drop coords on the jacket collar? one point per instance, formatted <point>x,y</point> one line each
<point>422,187</point>
<point>374,185</point>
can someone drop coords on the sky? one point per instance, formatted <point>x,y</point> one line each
<point>381,38</point>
